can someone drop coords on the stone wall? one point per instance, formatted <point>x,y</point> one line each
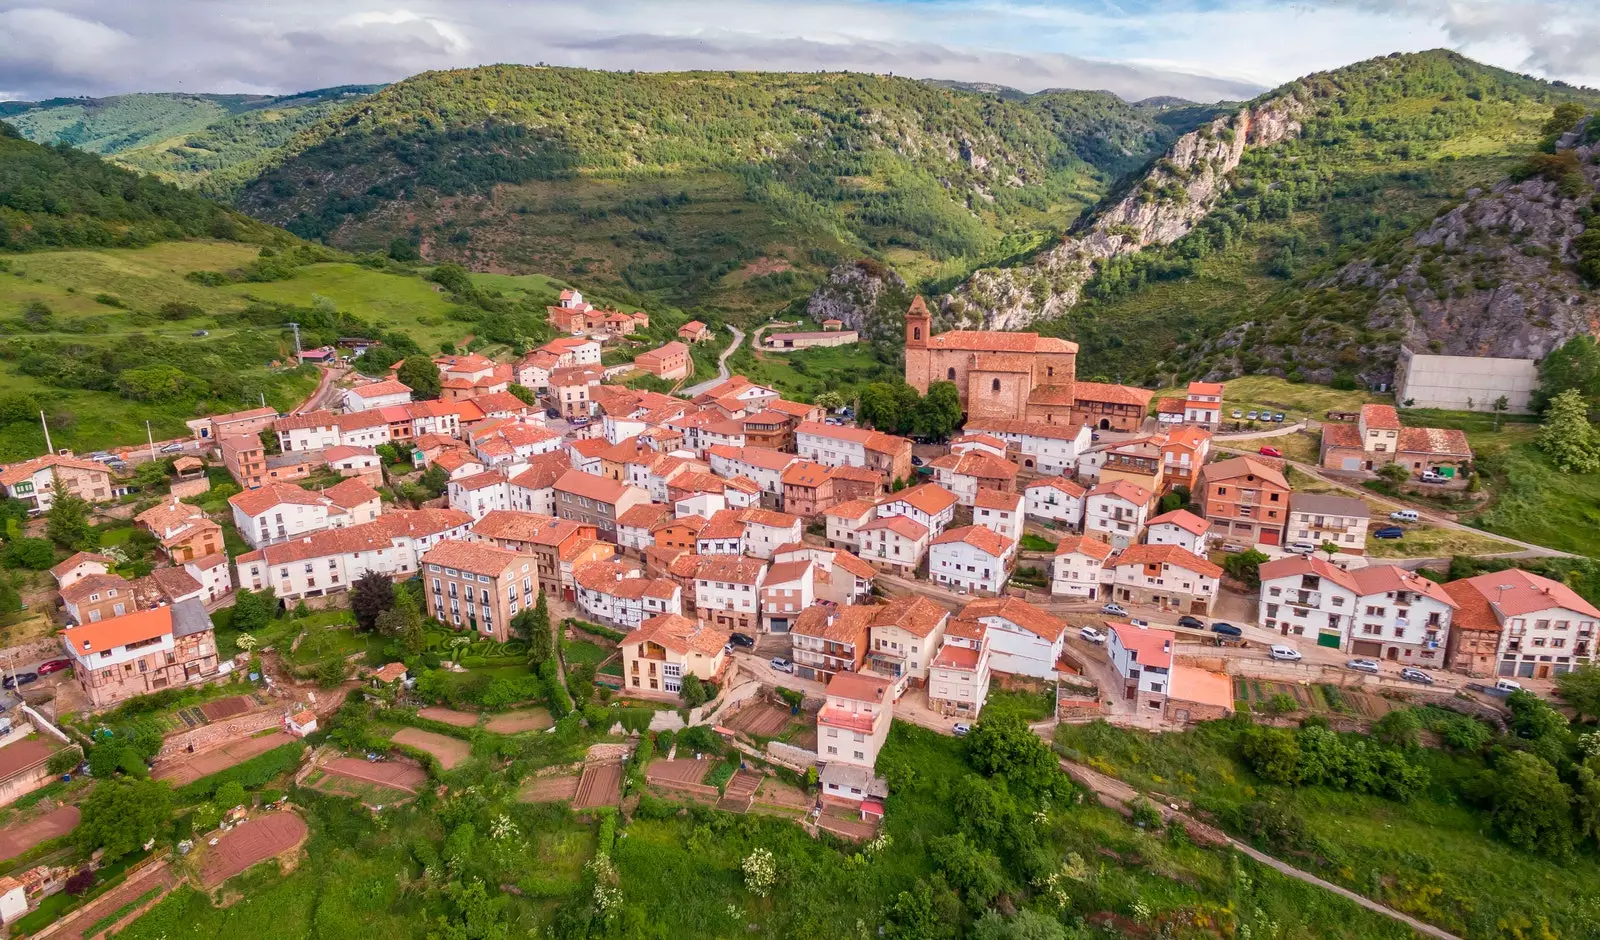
<point>795,758</point>
<point>219,733</point>
<point>183,488</point>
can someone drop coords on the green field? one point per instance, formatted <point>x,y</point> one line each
<point>1534,503</point>
<point>805,373</point>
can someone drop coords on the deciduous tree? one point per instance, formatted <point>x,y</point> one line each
<point>370,596</point>
<point>420,375</point>
<point>122,814</point>
<point>1566,436</point>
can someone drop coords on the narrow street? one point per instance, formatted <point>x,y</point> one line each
<point>722,367</point>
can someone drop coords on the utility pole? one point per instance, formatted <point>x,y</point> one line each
<point>296,328</point>
<point>48,449</point>
<point>151,438</point>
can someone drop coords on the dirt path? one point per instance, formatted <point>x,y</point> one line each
<point>319,398</point>
<point>722,367</point>
<point>18,839</point>
<point>1116,794</point>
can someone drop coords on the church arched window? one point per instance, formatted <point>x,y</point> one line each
<point>916,332</point>
<point>995,385</point>
<point>950,374</point>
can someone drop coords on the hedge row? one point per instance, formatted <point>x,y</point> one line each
<point>252,774</point>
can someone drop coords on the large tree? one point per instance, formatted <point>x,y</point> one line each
<point>1581,689</point>
<point>1004,746</point>
<point>1575,366</point>
<point>421,375</point>
<point>371,595</point>
<point>1529,804</point>
<point>253,610</point>
<point>536,624</point>
<point>68,524</point>
<point>403,621</point>
<point>1566,436</point>
<point>939,411</point>
<point>122,814</point>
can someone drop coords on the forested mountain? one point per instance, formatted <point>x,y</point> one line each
<point>60,197</point>
<point>730,187</point>
<point>211,142</point>
<point>1244,214</point>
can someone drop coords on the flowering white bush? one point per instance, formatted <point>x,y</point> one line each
<point>503,828</point>
<point>246,642</point>
<point>760,872</point>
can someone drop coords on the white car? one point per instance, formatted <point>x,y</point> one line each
<point>1363,665</point>
<point>1115,610</point>
<point>961,728</point>
<point>1287,654</point>
<point>781,664</point>
<point>1092,635</point>
<point>1302,548</point>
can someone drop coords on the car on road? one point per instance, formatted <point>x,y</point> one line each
<point>54,665</point>
<point>1191,622</point>
<point>172,448</point>
<point>1286,654</point>
<point>916,461</point>
<point>742,639</point>
<point>1226,629</point>
<point>1405,515</point>
<point>1413,674</point>
<point>1363,665</point>
<point>1301,548</point>
<point>781,664</point>
<point>1092,635</point>
<point>1232,548</point>
<point>1252,415</point>
<point>21,679</point>
<point>1389,532</point>
<point>961,728</point>
<point>1115,610</point>
<point>1270,452</point>
<point>551,413</point>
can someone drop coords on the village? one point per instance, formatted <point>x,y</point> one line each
<point>1119,556</point>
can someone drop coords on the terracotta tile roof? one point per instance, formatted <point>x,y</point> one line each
<point>850,509</point>
<point>106,635</point>
<point>684,565</point>
<point>80,590</point>
<point>1122,489</point>
<point>963,629</point>
<point>452,460</point>
<point>900,525</point>
<point>208,562</point>
<point>918,616</point>
<point>771,518</point>
<point>1173,555</point>
<point>984,540</point>
<point>853,564</point>
<point>1205,388</point>
<point>793,409</point>
<point>995,499</point>
<point>175,583</point>
<point>168,515</point>
<point>1114,394</point>
<point>571,549</point>
<point>391,672</point>
<point>1446,442</point>
<point>479,481</point>
<point>805,473</point>
<point>645,515</point>
<point>860,687</point>
<point>25,470</point>
<point>379,389</point>
<point>1515,593</point>
<point>577,375</point>
<point>1058,483</point>
<point>344,451</point>
<point>543,471</point>
<point>1084,545</point>
<point>988,440</point>
<point>764,458</point>
<point>723,524</point>
<point>590,486</point>
<point>1003,362</point>
<point>255,502</point>
<point>350,493</point>
<point>693,524</point>
<point>977,464</point>
<point>476,557</point>
<point>744,485</point>
<point>856,475</point>
<point>929,498</point>
<point>835,432</point>
<point>847,624</point>
<point>1187,437</point>
<point>882,443</point>
<point>310,419</point>
<point>981,341</point>
<point>378,534</point>
<point>1380,417</point>
<point>1185,520</point>
<point>1236,467</point>
<point>531,527</point>
<point>1336,434</point>
<point>681,635</point>
<point>734,569</point>
<point>1382,579</point>
<point>786,572</point>
<point>1295,566</point>
<point>607,577</point>
<point>1473,611</point>
<point>1060,432</point>
<point>80,558</point>
<point>1025,615</point>
<point>1150,647</point>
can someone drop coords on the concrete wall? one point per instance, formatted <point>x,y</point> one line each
<point>1448,381</point>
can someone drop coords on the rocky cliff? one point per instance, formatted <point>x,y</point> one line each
<point>1162,206</point>
<point>867,296</point>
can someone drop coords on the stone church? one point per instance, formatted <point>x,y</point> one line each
<point>1016,376</point>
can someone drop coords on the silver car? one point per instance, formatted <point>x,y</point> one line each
<point>1363,665</point>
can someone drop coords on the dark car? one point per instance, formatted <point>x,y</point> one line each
<point>1226,629</point>
<point>54,665</point>
<point>1389,532</point>
<point>742,639</point>
<point>551,413</point>
<point>1192,623</point>
<point>21,679</point>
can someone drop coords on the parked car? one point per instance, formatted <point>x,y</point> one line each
<point>916,461</point>
<point>1363,665</point>
<point>1251,416</point>
<point>1232,548</point>
<point>1279,417</point>
<point>1238,414</point>
<point>1286,654</point>
<point>727,647</point>
<point>551,413</point>
<point>1405,515</point>
<point>1226,629</point>
<point>782,665</point>
<point>1191,622</point>
<point>1270,452</point>
<point>21,679</point>
<point>1506,686</point>
<point>961,728</point>
<point>1301,548</point>
<point>54,665</point>
<point>1413,674</point>
<point>742,639</point>
<point>1434,476</point>
<point>1389,532</point>
<point>101,457</point>
<point>172,448</point>
<point>1114,609</point>
<point>1092,635</point>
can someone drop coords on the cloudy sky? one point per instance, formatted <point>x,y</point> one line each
<point>1200,49</point>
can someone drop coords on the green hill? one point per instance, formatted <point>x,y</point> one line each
<point>730,188</point>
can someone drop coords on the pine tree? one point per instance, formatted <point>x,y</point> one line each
<point>371,595</point>
<point>403,620</point>
<point>1566,436</point>
<point>69,522</point>
<point>541,643</point>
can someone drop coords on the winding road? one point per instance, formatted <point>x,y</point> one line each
<point>722,367</point>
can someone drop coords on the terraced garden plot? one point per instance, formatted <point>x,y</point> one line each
<point>20,837</point>
<point>763,720</point>
<point>449,751</point>
<point>227,707</point>
<point>449,716</point>
<point>1322,697</point>
<point>190,769</point>
<point>601,785</point>
<point>560,788</point>
<point>251,843</point>
<point>330,779</point>
<point>523,719</point>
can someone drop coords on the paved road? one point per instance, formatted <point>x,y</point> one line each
<point>1432,517</point>
<point>325,390</point>
<point>722,367</point>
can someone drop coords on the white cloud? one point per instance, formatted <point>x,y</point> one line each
<point>1202,49</point>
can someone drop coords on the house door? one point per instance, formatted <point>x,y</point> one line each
<point>1359,647</point>
<point>1199,607</point>
<point>1270,536</point>
<point>1105,424</point>
<point>1394,654</point>
<point>1542,671</point>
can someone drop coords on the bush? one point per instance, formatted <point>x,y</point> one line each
<point>700,739</point>
<point>250,775</point>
